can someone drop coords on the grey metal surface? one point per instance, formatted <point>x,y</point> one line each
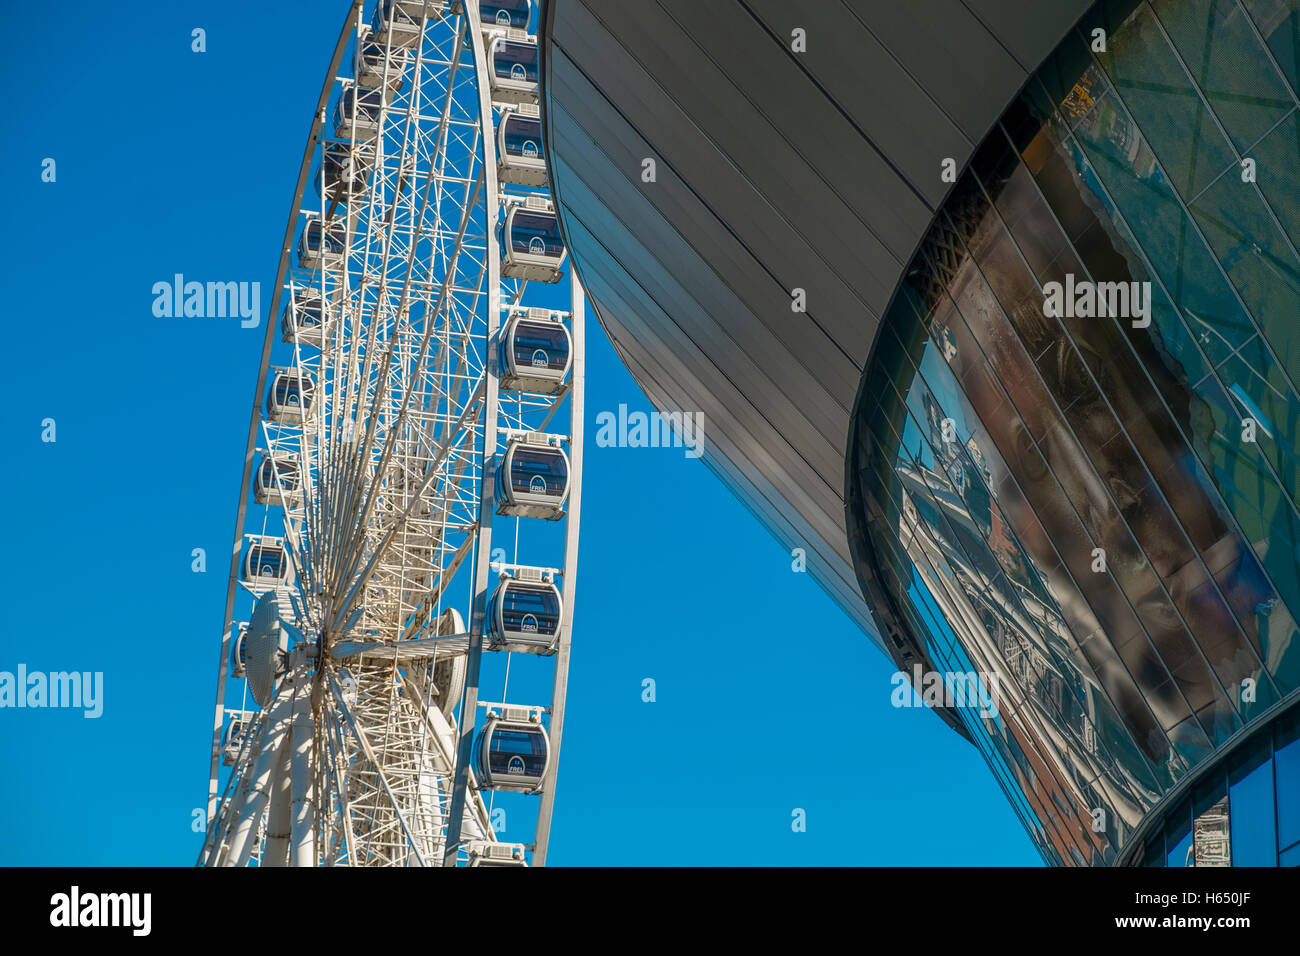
<point>775,170</point>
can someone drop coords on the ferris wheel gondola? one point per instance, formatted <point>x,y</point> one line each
<point>521,154</point>
<point>526,608</point>
<point>532,246</point>
<point>505,13</point>
<point>276,482</point>
<point>358,113</point>
<point>513,751</point>
<point>497,854</point>
<point>267,563</point>
<point>322,247</point>
<point>397,22</point>
<point>533,479</point>
<point>232,738</point>
<point>237,655</point>
<point>303,319</point>
<point>514,67</point>
<point>289,398</point>
<point>344,172</point>
<point>376,64</point>
<point>536,351</point>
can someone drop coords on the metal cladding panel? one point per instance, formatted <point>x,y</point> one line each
<point>1028,30</point>
<point>748,353</point>
<point>943,42</point>
<point>774,171</point>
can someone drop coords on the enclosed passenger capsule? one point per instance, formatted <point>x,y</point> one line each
<point>397,22</point>
<point>357,114</point>
<point>513,751</point>
<point>487,853</point>
<point>520,156</point>
<point>374,61</point>
<point>505,13</point>
<point>343,174</point>
<point>232,740</point>
<point>266,489</point>
<point>288,401</point>
<point>513,73</point>
<point>536,351</point>
<point>531,245</point>
<point>533,479</point>
<point>525,612</point>
<point>303,319</point>
<point>449,669</point>
<point>322,246</point>
<point>238,660</point>
<point>266,563</point>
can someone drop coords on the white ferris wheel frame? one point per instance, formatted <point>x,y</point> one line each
<point>299,758</point>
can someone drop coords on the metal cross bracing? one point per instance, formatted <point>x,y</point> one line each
<point>379,428</point>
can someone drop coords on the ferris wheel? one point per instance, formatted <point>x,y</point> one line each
<point>394,656</point>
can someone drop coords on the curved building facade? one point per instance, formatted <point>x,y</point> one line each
<point>1069,459</point>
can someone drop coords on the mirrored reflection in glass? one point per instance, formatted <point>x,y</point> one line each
<point>1100,504</point>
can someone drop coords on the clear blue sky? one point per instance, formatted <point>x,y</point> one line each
<point>170,161</point>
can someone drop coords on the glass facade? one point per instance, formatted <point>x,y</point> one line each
<point>1074,463</point>
<point>1244,811</point>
